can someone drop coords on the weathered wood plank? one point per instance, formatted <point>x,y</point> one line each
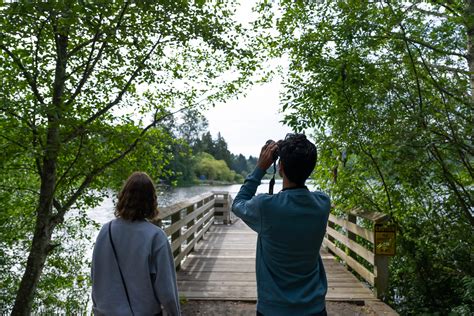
<point>222,267</point>
<point>188,218</point>
<point>360,250</point>
<point>187,250</point>
<point>179,241</point>
<point>252,295</point>
<point>375,217</point>
<point>360,231</point>
<point>170,210</point>
<point>360,269</point>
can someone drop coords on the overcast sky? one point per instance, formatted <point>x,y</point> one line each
<point>247,123</point>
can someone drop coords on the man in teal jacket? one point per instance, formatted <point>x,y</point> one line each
<point>291,225</point>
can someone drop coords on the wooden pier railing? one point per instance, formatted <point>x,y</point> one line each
<point>186,222</point>
<point>350,237</point>
<point>356,246</point>
<point>223,205</point>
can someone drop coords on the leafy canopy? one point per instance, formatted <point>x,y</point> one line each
<point>83,86</point>
<point>387,88</point>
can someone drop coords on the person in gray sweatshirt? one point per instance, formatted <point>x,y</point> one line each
<point>133,271</point>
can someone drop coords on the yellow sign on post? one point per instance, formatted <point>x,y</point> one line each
<point>384,239</point>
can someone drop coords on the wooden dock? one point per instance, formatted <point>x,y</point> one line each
<point>222,267</point>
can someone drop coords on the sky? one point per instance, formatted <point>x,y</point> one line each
<point>248,122</point>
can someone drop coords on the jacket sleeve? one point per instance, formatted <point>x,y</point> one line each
<point>165,285</point>
<point>246,204</point>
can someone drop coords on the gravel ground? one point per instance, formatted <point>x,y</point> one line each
<point>231,308</point>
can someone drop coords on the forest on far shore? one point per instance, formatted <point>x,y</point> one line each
<point>197,158</point>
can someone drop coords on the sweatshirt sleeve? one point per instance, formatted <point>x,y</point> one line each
<point>165,285</point>
<point>245,204</point>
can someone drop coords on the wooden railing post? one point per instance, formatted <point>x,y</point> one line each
<point>226,215</point>
<point>381,276</point>
<point>222,206</point>
<point>384,248</point>
<point>329,237</point>
<point>186,223</point>
<point>198,218</point>
<point>175,218</point>
<point>189,210</point>
<point>352,236</point>
<point>354,246</point>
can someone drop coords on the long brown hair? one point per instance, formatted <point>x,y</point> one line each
<point>137,199</point>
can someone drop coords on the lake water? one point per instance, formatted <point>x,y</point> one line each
<point>170,195</point>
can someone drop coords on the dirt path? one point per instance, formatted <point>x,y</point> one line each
<point>229,308</point>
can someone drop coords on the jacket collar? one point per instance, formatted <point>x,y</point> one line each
<point>296,187</point>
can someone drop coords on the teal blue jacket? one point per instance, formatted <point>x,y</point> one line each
<point>291,225</point>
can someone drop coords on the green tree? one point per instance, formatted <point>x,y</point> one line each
<point>239,164</point>
<point>81,85</point>
<point>191,126</point>
<point>220,151</point>
<point>388,88</point>
<point>205,144</point>
<point>185,132</point>
<point>213,169</point>
<point>181,165</point>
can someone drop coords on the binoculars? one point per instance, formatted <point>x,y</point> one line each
<point>274,158</point>
<point>275,153</point>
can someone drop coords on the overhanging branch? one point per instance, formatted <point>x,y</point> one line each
<point>29,79</point>
<point>141,65</point>
<point>59,217</point>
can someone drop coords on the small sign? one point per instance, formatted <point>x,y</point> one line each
<point>384,239</point>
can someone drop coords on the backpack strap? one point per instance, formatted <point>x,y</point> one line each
<point>118,265</point>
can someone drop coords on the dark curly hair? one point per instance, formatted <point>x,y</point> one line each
<point>137,199</point>
<point>298,156</point>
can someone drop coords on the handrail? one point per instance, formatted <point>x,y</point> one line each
<point>186,222</point>
<point>342,240</point>
<point>223,205</point>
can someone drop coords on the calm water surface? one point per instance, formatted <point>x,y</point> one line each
<point>170,195</point>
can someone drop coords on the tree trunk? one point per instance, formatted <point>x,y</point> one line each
<point>45,225</point>
<point>34,267</point>
<point>469,18</point>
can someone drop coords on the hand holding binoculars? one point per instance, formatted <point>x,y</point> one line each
<point>275,153</point>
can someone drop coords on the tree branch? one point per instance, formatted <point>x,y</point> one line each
<point>86,43</point>
<point>14,142</point>
<point>117,100</point>
<point>59,217</point>
<point>437,85</point>
<point>76,158</point>
<point>420,98</point>
<point>31,82</point>
<point>395,35</point>
<point>90,68</point>
<point>429,12</point>
<point>35,60</point>
<point>446,6</point>
<point>14,188</point>
<point>452,181</point>
<point>379,171</point>
<point>18,117</point>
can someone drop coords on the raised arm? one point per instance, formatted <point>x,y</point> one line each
<point>246,205</point>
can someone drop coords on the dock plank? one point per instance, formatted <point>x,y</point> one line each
<point>222,267</point>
